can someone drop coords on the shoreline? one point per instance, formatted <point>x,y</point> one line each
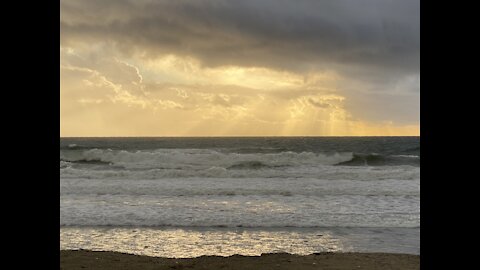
<point>87,259</point>
<point>182,242</point>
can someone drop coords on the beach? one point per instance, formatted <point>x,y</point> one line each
<point>84,259</point>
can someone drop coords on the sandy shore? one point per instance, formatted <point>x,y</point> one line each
<point>84,259</point>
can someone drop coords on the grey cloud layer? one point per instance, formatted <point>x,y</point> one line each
<point>294,35</point>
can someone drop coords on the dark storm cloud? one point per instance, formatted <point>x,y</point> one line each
<point>359,37</point>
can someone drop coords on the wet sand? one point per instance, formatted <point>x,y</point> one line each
<point>84,259</point>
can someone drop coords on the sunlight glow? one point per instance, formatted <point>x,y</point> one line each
<point>176,96</point>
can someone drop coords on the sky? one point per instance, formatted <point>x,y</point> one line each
<point>239,68</point>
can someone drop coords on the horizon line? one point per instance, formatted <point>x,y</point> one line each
<point>242,136</point>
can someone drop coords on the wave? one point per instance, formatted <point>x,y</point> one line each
<point>202,159</point>
<point>65,164</point>
<point>87,161</point>
<point>229,193</point>
<point>220,187</point>
<point>228,188</point>
<point>74,146</point>
<point>249,150</point>
<point>338,220</point>
<point>255,165</point>
<point>381,160</point>
<point>358,173</point>
<point>170,158</point>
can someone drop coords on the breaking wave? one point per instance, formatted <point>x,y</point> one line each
<point>381,160</point>
<point>203,159</point>
<point>198,157</point>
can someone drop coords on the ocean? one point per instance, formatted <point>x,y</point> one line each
<point>187,197</point>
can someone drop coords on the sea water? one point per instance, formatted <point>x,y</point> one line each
<point>186,197</point>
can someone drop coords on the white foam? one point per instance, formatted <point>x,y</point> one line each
<point>248,202</point>
<point>301,171</point>
<point>406,156</point>
<point>64,164</point>
<point>245,211</point>
<point>237,187</point>
<point>203,187</point>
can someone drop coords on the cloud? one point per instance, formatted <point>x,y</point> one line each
<point>294,35</point>
<point>272,67</point>
<point>319,104</point>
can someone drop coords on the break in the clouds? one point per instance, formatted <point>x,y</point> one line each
<point>264,67</point>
